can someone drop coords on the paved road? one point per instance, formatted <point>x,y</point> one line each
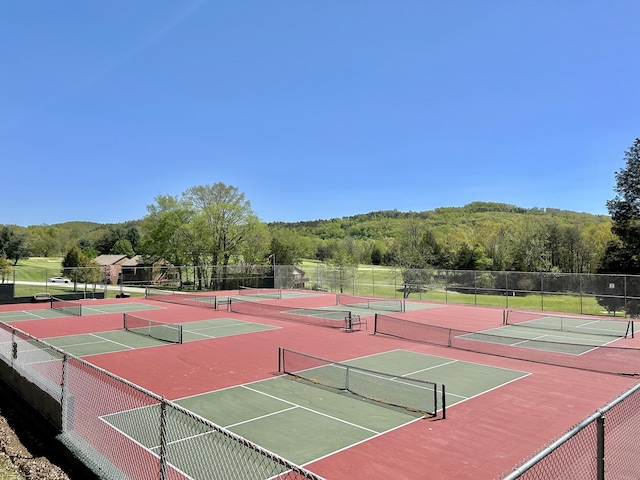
<point>89,287</point>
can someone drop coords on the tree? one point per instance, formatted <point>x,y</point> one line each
<point>5,268</point>
<point>45,241</point>
<point>81,268</point>
<point>225,221</point>
<point>623,256</point>
<point>625,207</point>
<point>13,244</point>
<point>529,244</point>
<point>122,247</point>
<point>416,251</point>
<point>342,266</point>
<point>105,243</point>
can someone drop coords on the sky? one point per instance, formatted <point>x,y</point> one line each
<point>314,109</point>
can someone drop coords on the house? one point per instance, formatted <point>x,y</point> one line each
<point>111,266</point>
<point>122,269</point>
<point>299,278</point>
<point>158,272</point>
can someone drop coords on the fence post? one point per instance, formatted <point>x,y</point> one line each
<point>65,406</point>
<point>506,289</point>
<point>600,446</point>
<point>446,286</point>
<point>163,439</point>
<point>475,288</point>
<point>580,287</point>
<point>625,296</point>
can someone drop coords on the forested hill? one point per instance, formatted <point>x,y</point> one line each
<point>384,224</point>
<point>480,236</point>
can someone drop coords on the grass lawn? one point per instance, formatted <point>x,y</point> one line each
<point>383,281</point>
<point>370,280</point>
<point>40,269</point>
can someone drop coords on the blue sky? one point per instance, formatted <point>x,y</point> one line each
<point>314,109</point>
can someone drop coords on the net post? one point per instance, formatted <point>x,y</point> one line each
<point>279,359</point>
<point>435,399</point>
<point>375,323</point>
<point>346,379</point>
<point>444,404</point>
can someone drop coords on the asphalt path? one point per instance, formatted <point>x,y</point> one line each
<point>89,286</point>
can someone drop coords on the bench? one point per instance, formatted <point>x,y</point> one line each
<point>41,297</point>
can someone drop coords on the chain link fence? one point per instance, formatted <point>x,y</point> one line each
<point>617,295</point>
<point>121,431</point>
<point>603,446</point>
<point>560,292</point>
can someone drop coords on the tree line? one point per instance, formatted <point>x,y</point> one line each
<point>214,226</point>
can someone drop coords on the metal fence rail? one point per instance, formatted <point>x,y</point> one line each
<point>93,409</point>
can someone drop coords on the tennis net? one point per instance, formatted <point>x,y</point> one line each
<point>384,304</point>
<point>411,394</point>
<point>168,332</point>
<point>202,301</point>
<point>66,306</point>
<point>311,316</point>
<point>602,358</point>
<point>260,292</point>
<point>618,328</point>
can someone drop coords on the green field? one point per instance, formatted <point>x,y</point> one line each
<point>369,280</point>
<point>382,281</point>
<point>32,276</point>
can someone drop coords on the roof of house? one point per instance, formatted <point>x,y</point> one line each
<point>109,259</point>
<point>133,262</point>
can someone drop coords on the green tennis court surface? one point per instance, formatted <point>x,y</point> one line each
<point>87,309</point>
<point>118,340</point>
<point>339,312</point>
<point>303,422</point>
<point>545,335</point>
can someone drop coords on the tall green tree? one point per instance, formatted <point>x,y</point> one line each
<point>167,235</point>
<point>5,268</point>
<point>122,247</point>
<point>342,266</point>
<point>623,255</point>
<point>625,207</point>
<point>225,221</point>
<point>80,268</point>
<point>13,244</point>
<point>45,240</point>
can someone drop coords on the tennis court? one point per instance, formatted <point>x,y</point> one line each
<point>42,313</point>
<point>304,420</point>
<point>139,337</point>
<point>561,334</point>
<point>499,408</point>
